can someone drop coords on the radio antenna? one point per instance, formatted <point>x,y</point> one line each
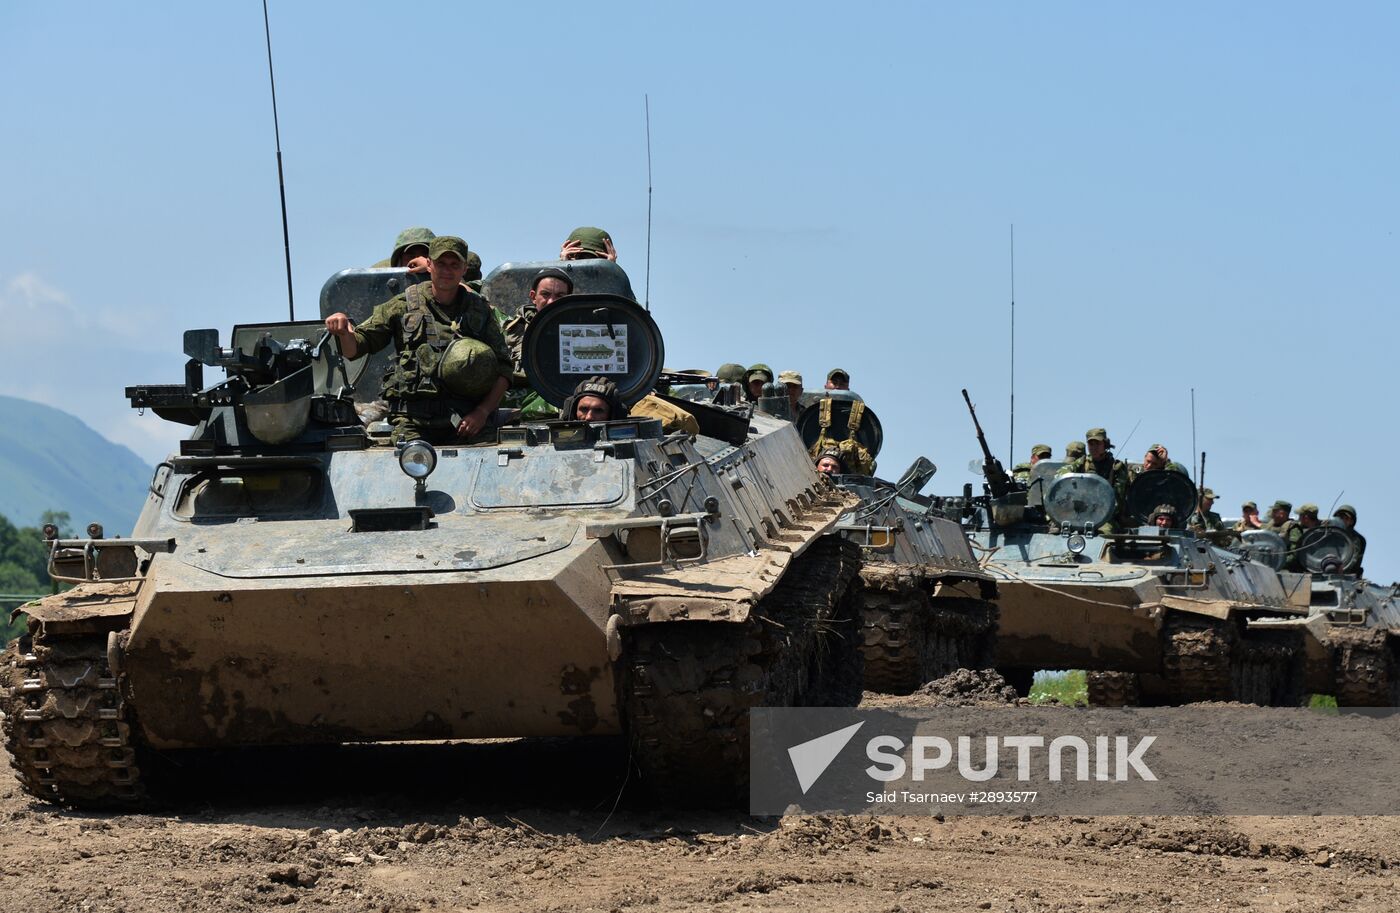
<point>646,100</point>
<point>1196,454</point>
<point>1012,448</point>
<point>281,183</point>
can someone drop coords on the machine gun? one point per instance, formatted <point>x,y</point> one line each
<point>998,482</point>
<point>278,382</point>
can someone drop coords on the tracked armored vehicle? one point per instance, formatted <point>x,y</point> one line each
<point>296,579</point>
<point>927,607</point>
<point>1155,615</point>
<point>1352,630</point>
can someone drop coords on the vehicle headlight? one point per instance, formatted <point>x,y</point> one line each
<point>1076,543</point>
<point>418,459</point>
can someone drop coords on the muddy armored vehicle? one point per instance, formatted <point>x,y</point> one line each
<point>927,607</point>
<point>1352,630</point>
<point>1152,614</point>
<point>296,579</point>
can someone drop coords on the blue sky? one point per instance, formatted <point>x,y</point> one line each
<point>1204,195</point>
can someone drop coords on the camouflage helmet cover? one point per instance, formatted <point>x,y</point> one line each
<point>1346,509</point>
<point>593,240</point>
<point>732,373</point>
<point>468,367</point>
<point>409,237</point>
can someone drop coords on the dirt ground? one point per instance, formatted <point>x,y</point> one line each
<point>538,825</point>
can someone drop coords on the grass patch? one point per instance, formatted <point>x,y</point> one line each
<point>1070,688</point>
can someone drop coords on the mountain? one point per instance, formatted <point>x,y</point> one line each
<point>50,460</point>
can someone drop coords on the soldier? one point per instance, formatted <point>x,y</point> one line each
<point>1286,528</point>
<point>1156,458</point>
<point>1164,517</point>
<point>830,463</point>
<point>1307,517</point>
<point>838,379</point>
<point>793,382</point>
<point>588,243</point>
<point>548,286</point>
<point>1100,460</point>
<point>1347,515</point>
<point>1021,472</point>
<point>1074,450</point>
<point>1204,519</point>
<point>595,400</point>
<point>453,365</point>
<point>472,277</point>
<point>1249,518</point>
<point>758,375</point>
<point>411,250</point>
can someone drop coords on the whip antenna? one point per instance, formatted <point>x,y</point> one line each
<point>1012,447</point>
<point>646,100</point>
<point>281,184</point>
<point>1194,451</point>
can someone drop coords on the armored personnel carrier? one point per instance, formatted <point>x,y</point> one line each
<point>927,607</point>
<point>1152,614</point>
<point>294,578</point>
<point>1352,630</point>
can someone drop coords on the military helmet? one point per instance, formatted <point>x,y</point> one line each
<point>1346,509</point>
<point>600,387</point>
<point>468,368</point>
<point>732,373</point>
<point>1163,510</point>
<point>1074,450</point>
<point>409,237</point>
<point>760,368</point>
<point>593,240</point>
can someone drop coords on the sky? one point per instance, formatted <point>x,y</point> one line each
<point>1204,197</point>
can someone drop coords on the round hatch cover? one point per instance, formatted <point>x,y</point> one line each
<point>1080,499</point>
<point>1263,546</point>
<point>579,336</point>
<point>870,434</point>
<point>1156,487</point>
<point>1328,550</point>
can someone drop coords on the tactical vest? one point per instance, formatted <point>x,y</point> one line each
<point>855,456</point>
<point>425,337</point>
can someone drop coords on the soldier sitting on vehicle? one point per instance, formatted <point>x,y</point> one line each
<point>1021,472</point>
<point>452,366</point>
<point>594,400</point>
<point>411,251</point>
<point>1346,514</point>
<point>1286,528</point>
<point>1100,460</point>
<point>1249,518</point>
<point>1307,517</point>
<point>1156,458</point>
<point>1204,519</point>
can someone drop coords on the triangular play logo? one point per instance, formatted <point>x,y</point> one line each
<point>811,758</point>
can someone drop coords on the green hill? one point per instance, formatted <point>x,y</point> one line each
<point>50,460</point>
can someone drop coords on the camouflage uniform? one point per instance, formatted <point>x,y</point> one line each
<point>1243,525</point>
<point>521,395</point>
<point>1360,539</point>
<point>1289,531</point>
<point>1116,472</point>
<point>1205,520</point>
<point>420,329</point>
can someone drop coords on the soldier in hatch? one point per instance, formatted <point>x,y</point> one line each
<point>452,366</point>
<point>588,243</point>
<point>1021,472</point>
<point>1100,460</point>
<point>594,400</point>
<point>1288,529</point>
<point>1156,458</point>
<point>1164,517</point>
<point>758,375</point>
<point>830,463</point>
<point>1346,515</point>
<point>411,251</point>
<point>548,286</point>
